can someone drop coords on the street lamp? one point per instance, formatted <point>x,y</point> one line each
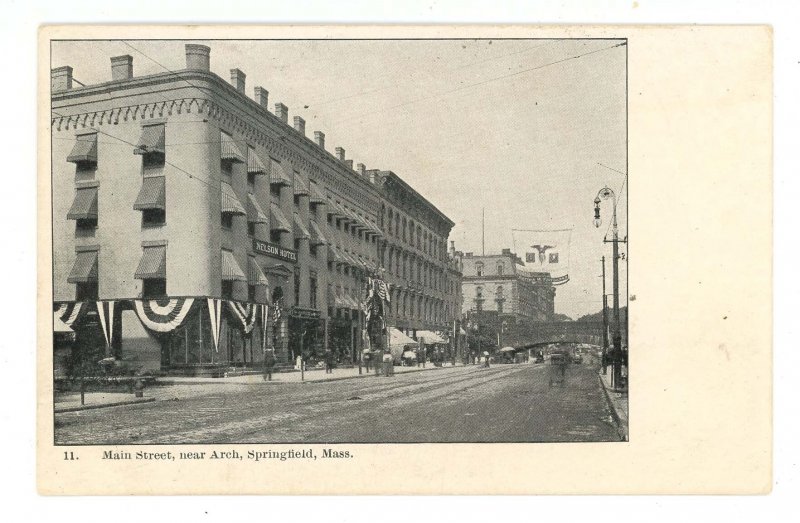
<point>605,194</point>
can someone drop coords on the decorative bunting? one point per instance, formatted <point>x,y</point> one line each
<point>69,313</point>
<point>276,313</point>
<point>214,311</point>
<point>105,310</point>
<point>163,315</point>
<point>264,318</point>
<point>245,313</point>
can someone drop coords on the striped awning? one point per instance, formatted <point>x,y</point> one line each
<point>230,268</point>
<point>255,276</point>
<point>430,337</point>
<point>153,263</point>
<point>317,238</point>
<point>254,163</point>
<point>277,175</point>
<point>301,185</point>
<point>351,260</point>
<point>85,268</point>
<point>151,195</point>
<point>151,140</point>
<point>316,196</point>
<point>230,203</point>
<point>339,300</point>
<point>335,255</point>
<point>277,220</point>
<point>255,214</point>
<point>84,206</point>
<point>300,230</point>
<point>230,150</point>
<point>85,149</point>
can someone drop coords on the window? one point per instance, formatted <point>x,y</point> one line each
<point>154,287</point>
<point>226,167</point>
<point>297,286</point>
<point>479,269</point>
<point>86,291</point>
<point>251,292</point>
<point>251,228</point>
<point>85,224</point>
<point>226,220</point>
<point>275,236</point>
<point>275,190</point>
<point>153,217</point>
<point>153,160</point>
<point>500,269</point>
<point>227,289</point>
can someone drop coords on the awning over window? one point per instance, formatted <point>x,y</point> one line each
<point>277,220</point>
<point>230,203</point>
<point>352,260</point>
<point>255,214</point>
<point>151,140</point>
<point>230,269</point>
<point>230,150</point>
<point>85,149</point>
<point>255,276</point>
<point>397,338</point>
<point>84,206</point>
<point>277,175</point>
<point>339,301</point>
<point>335,255</point>
<point>151,195</point>
<point>153,263</point>
<point>337,211</point>
<point>300,230</point>
<point>85,268</point>
<point>357,220</point>
<point>254,163</point>
<point>317,237</point>
<point>301,185</point>
<point>316,196</point>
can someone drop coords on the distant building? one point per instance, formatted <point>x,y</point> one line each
<point>494,284</point>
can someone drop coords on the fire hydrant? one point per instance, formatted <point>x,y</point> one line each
<point>138,389</point>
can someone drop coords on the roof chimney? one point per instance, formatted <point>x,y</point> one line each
<point>261,96</point>
<point>452,248</point>
<point>282,112</point>
<point>121,68</point>
<point>506,251</point>
<point>340,153</point>
<point>349,164</point>
<point>467,255</point>
<point>362,169</point>
<point>237,79</point>
<point>61,78</point>
<point>300,125</point>
<point>319,138</point>
<point>198,57</point>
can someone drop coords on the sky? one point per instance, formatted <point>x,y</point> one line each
<point>529,130</point>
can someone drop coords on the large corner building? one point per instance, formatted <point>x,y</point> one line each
<point>181,207</point>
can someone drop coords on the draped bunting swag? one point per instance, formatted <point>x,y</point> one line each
<point>70,312</point>
<point>163,318</point>
<point>214,313</point>
<point>245,313</point>
<point>377,296</point>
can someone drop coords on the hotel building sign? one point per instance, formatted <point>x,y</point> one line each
<point>276,251</point>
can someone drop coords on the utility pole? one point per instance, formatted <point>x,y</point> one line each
<point>483,231</point>
<point>605,319</point>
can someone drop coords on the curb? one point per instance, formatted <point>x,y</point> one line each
<point>622,432</point>
<point>104,405</point>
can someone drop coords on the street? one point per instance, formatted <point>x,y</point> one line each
<point>505,403</point>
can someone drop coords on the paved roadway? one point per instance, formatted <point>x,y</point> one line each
<point>506,403</point>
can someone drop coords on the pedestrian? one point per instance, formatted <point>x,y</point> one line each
<point>486,359</point>
<point>330,360</point>
<point>367,359</point>
<point>269,363</point>
<point>388,364</point>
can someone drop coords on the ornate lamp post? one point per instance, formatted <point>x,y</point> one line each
<point>616,353</point>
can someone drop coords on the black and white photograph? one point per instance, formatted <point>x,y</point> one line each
<point>339,241</point>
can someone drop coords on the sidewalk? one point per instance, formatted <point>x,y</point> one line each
<point>618,404</point>
<point>177,387</point>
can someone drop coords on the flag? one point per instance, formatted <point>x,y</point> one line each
<point>545,254</point>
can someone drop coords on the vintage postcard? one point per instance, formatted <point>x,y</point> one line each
<point>393,260</point>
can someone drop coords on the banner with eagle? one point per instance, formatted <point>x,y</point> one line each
<point>164,315</point>
<point>544,254</point>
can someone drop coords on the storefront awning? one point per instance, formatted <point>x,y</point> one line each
<point>277,175</point>
<point>84,206</point>
<point>230,150</point>
<point>85,149</point>
<point>317,237</point>
<point>230,268</point>
<point>255,214</point>
<point>151,195</point>
<point>151,140</point>
<point>316,196</point>
<point>430,337</point>
<point>254,163</point>
<point>230,203</point>
<point>255,276</point>
<point>301,185</point>
<point>153,263</point>
<point>300,230</point>
<point>398,339</point>
<point>278,221</point>
<point>85,268</point>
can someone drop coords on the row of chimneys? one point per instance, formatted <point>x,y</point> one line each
<point>198,57</point>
